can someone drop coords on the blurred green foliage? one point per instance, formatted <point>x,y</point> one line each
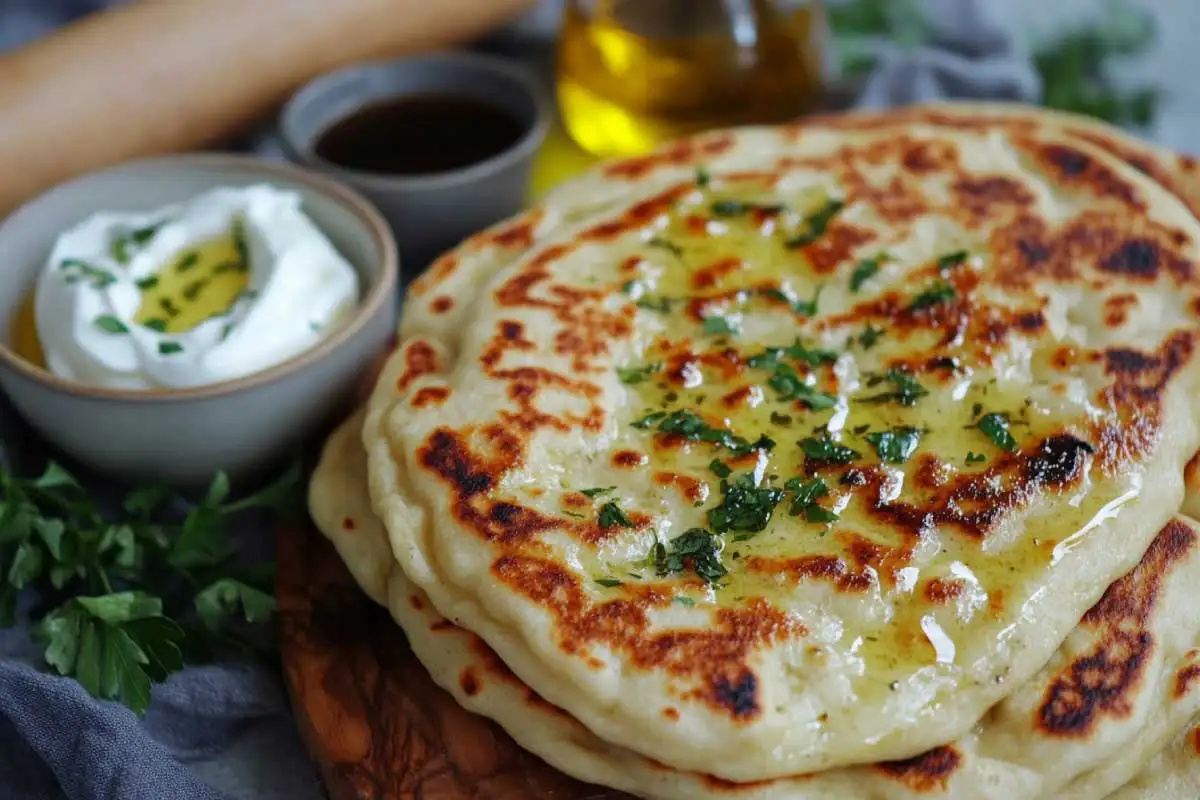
<point>1074,64</point>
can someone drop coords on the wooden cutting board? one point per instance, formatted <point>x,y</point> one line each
<point>373,720</point>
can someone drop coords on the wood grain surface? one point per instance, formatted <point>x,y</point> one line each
<point>373,720</point>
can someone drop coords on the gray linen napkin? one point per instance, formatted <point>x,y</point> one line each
<point>226,731</point>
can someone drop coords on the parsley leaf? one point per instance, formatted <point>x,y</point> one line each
<point>815,356</point>
<point>952,260</point>
<point>897,445</point>
<point>691,426</point>
<point>815,224</point>
<point>975,458</point>
<point>596,492</point>
<point>651,303</point>
<point>828,451</point>
<point>703,177</point>
<point>806,495</point>
<point>720,468</point>
<point>788,385</point>
<point>78,270</point>
<point>633,375</point>
<point>939,292</point>
<point>717,325</point>
<point>745,507</point>
<point>995,427</point>
<point>865,270</point>
<point>908,389</point>
<point>870,336</point>
<point>696,549</point>
<point>611,516</point>
<point>734,208</point>
<point>110,324</point>
<point>609,583</point>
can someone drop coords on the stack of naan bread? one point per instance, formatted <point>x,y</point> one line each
<point>847,459</point>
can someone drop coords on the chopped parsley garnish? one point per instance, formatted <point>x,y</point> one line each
<point>225,332</point>
<point>119,248</point>
<point>720,468</point>
<point>703,177</point>
<point>995,427</point>
<point>734,208</point>
<point>651,303</point>
<point>110,324</point>
<point>897,445</point>
<point>169,348</point>
<point>81,271</point>
<point>238,233</point>
<point>168,306</point>
<point>683,601</point>
<point>193,289</point>
<point>804,501</point>
<point>807,308</point>
<point>952,260</point>
<point>939,292</point>
<point>596,492</point>
<point>717,325</point>
<point>692,426</point>
<point>745,507</point>
<point>815,356</point>
<point>187,261</point>
<point>815,225</point>
<point>975,458</point>
<point>148,282</point>
<point>908,389</point>
<point>827,450</point>
<point>608,583</point>
<point>159,325</point>
<point>637,374</point>
<point>665,244</point>
<point>870,336</point>
<point>865,270</point>
<point>696,549</point>
<point>788,385</point>
<point>611,515</point>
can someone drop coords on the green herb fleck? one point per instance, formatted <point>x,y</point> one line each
<point>110,324</point>
<point>159,325</point>
<point>733,208</point>
<point>717,325</point>
<point>952,260</point>
<point>788,385</point>
<point>870,336</point>
<point>168,306</point>
<point>664,244</point>
<point>828,451</point>
<point>187,261</point>
<point>814,356</point>
<point>609,583</point>
<point>697,550</point>
<point>193,289</point>
<point>995,427</point>
<point>806,495</point>
<point>237,232</point>
<point>691,426</point>
<point>745,507</point>
<point>703,177</point>
<point>169,348</point>
<point>683,601</point>
<point>975,458</point>
<point>225,332</point>
<point>596,492</point>
<point>865,270</point>
<point>633,375</point>
<point>660,304</point>
<point>939,292</point>
<point>81,270</point>
<point>908,389</point>
<point>148,282</point>
<point>720,468</point>
<point>897,445</point>
<point>815,225</point>
<point>611,515</point>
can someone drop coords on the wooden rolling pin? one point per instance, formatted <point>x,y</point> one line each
<point>162,76</point>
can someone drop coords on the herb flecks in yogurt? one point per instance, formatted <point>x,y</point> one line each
<point>179,280</point>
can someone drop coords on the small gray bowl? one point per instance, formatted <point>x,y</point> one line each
<point>429,213</point>
<point>243,426</point>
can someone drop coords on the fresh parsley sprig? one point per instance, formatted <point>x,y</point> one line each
<point>126,598</point>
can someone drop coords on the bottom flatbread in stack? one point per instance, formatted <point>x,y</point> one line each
<point>1113,706</point>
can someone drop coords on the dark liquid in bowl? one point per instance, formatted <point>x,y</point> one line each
<point>420,135</point>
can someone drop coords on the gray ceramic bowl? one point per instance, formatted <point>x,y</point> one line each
<point>243,426</point>
<point>429,213</point>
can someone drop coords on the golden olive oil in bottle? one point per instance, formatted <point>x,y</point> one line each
<point>634,73</point>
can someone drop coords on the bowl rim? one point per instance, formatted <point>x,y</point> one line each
<point>381,291</point>
<point>301,149</point>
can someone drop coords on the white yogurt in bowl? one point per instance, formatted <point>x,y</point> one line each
<point>229,283</point>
